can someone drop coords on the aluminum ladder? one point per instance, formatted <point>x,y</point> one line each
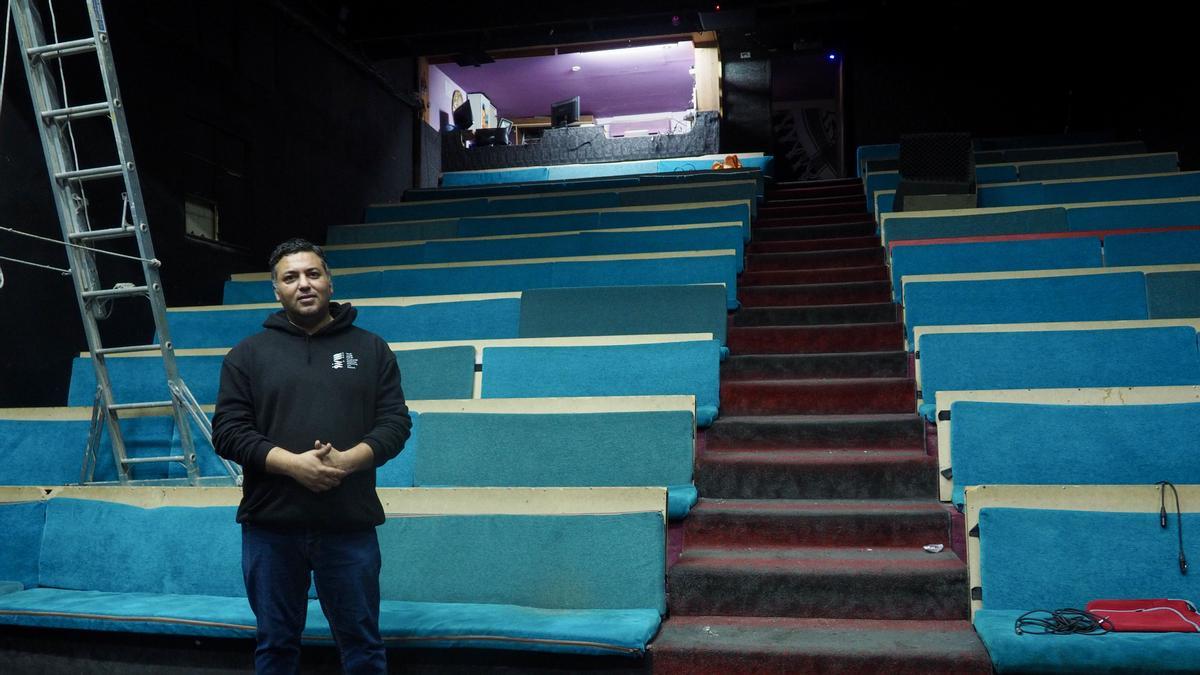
<point>42,59</point>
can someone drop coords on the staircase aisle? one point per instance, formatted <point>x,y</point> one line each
<point>805,553</point>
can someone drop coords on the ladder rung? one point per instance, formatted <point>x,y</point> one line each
<point>76,112</point>
<point>147,460</point>
<point>129,348</point>
<point>96,235</point>
<point>115,292</point>
<point>140,406</point>
<point>60,49</point>
<point>93,173</point>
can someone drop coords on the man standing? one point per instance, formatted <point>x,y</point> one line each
<point>309,407</point>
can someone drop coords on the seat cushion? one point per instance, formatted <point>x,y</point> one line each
<point>574,631</point>
<point>1107,653</point>
<point>198,615</point>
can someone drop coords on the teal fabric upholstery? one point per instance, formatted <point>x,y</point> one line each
<point>1051,219</point>
<point>23,526</point>
<point>1152,248</point>
<point>561,202</point>
<point>1147,653</point>
<point>143,379</point>
<point>492,626</point>
<point>1087,168</point>
<point>1131,187</point>
<point>453,178</point>
<point>1046,359</point>
<point>546,246</point>
<point>137,612</point>
<point>995,173</point>
<point>557,450</point>
<point>427,210</point>
<point>624,310</point>
<point>1091,297</point>
<point>1050,559</point>
<point>615,370</point>
<point>373,233</point>
<point>463,320</point>
<point>437,373</point>
<point>600,169</point>
<point>709,269</point>
<point>1070,445</point>
<point>993,256</point>
<point>454,581</point>
<point>194,551</point>
<point>613,561</point>
<point>50,452</point>
<point>399,471</point>
<point>1173,294</point>
<point>1151,214</point>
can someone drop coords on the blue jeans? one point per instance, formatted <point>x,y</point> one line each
<point>277,567</point>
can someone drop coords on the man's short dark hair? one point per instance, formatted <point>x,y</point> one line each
<point>296,245</point>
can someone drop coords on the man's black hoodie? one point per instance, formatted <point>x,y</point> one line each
<point>282,387</point>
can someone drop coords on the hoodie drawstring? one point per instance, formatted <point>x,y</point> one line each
<point>308,349</point>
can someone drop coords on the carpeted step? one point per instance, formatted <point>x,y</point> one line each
<point>816,432</point>
<point>788,200</point>
<point>816,474</point>
<point>833,275</point>
<point>808,366</point>
<point>815,315</point>
<point>802,232</point>
<point>796,295</point>
<point>767,221</point>
<point>816,522</point>
<point>811,260</point>
<point>826,339</point>
<point>790,191</point>
<point>819,397</point>
<point>799,209</point>
<point>812,244</point>
<point>836,583</point>
<point>723,645</point>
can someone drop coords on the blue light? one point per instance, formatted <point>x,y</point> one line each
<point>832,56</point>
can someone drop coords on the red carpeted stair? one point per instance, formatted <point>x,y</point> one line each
<point>805,553</point>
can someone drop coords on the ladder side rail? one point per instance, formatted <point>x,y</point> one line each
<point>31,36</point>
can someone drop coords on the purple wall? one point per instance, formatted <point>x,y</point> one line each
<point>631,81</point>
<point>441,88</point>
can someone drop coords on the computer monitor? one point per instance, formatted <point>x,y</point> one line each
<point>564,113</point>
<point>463,118</point>
<point>492,136</point>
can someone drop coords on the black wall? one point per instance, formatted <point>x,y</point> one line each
<point>1010,70</point>
<point>244,104</point>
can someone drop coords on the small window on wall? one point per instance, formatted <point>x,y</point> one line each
<point>200,218</point>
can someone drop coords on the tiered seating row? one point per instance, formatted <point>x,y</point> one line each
<point>744,188</point>
<point>702,212</point>
<point>648,269</point>
<point>574,171</point>
<point>1146,214</point>
<point>1149,186</point>
<point>1058,251</point>
<point>496,583</point>
<point>1092,294</point>
<point>1046,170</point>
<point>684,364</point>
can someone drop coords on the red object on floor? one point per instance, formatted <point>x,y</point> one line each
<point>1147,616</point>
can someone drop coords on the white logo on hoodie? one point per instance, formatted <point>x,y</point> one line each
<point>345,360</point>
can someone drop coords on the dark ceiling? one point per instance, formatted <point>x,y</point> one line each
<point>393,29</point>
<point>1021,30</point>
